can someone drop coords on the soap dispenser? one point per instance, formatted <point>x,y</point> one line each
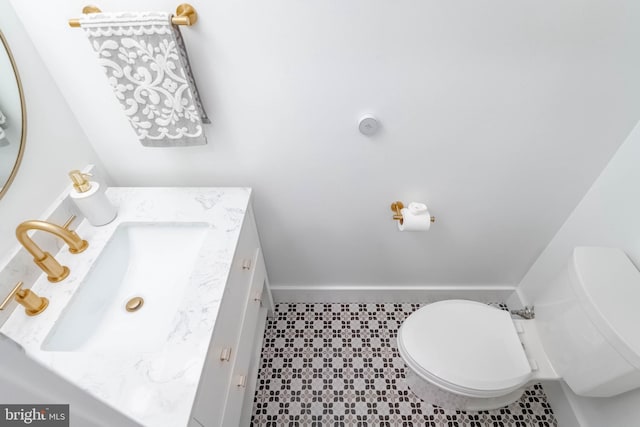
<point>91,202</point>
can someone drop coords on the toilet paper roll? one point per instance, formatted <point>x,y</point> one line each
<point>417,208</point>
<point>413,222</point>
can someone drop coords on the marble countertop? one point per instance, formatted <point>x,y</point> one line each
<point>154,388</point>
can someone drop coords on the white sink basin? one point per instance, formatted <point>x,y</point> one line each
<point>149,260</point>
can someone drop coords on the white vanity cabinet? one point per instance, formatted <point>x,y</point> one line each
<point>197,365</point>
<point>228,380</point>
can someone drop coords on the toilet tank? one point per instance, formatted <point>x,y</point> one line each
<point>588,320</point>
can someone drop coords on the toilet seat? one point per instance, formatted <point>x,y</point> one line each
<point>465,347</point>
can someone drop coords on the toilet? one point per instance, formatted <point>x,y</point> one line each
<point>468,355</point>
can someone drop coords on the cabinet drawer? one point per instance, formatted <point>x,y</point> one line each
<point>223,352</point>
<point>240,391</point>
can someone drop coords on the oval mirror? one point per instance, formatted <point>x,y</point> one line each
<point>13,120</point>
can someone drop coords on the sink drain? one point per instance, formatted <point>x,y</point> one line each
<point>134,304</point>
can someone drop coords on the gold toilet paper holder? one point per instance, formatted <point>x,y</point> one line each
<point>397,208</point>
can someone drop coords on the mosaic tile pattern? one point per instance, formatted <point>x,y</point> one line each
<point>338,365</point>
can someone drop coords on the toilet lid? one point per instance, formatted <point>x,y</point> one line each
<point>466,343</point>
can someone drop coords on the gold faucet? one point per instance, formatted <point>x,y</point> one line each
<point>32,303</point>
<point>44,260</point>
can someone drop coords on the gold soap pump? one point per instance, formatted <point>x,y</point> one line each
<point>90,200</point>
<point>80,182</point>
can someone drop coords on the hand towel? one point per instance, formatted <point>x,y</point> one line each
<point>145,59</point>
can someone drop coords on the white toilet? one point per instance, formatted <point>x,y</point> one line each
<point>467,355</point>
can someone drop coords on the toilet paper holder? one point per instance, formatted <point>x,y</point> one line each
<point>397,208</point>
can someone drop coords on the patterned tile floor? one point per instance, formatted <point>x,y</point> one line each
<point>338,365</point>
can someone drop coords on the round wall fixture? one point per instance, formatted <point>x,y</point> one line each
<point>368,125</point>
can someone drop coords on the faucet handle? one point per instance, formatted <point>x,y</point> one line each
<point>83,243</point>
<point>69,221</point>
<point>15,289</point>
<point>33,304</point>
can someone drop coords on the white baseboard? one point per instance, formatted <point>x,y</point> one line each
<point>389,293</point>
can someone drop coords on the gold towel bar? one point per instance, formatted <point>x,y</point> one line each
<point>185,15</point>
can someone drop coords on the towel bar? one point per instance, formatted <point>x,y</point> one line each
<point>185,15</point>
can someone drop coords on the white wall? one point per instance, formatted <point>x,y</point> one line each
<point>608,215</point>
<point>499,114</point>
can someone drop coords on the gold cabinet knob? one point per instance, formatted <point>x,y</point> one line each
<point>257,297</point>
<point>242,381</point>
<point>246,264</point>
<point>225,354</point>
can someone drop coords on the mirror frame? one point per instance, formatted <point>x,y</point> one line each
<point>23,109</point>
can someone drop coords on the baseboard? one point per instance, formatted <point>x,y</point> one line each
<point>389,293</point>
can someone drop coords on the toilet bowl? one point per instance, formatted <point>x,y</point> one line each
<point>467,355</point>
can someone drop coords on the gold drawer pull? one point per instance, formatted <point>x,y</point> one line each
<point>246,264</point>
<point>242,381</point>
<point>225,354</point>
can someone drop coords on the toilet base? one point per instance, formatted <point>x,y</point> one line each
<point>433,394</point>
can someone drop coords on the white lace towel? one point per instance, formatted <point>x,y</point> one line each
<point>146,62</point>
